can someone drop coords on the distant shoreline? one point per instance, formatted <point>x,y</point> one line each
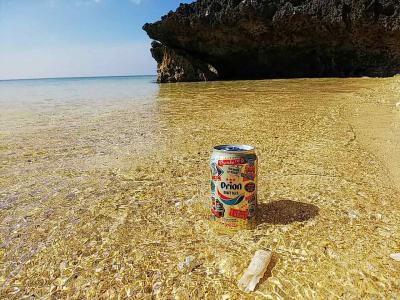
<point>78,77</point>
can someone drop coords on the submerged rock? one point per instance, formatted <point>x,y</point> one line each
<point>248,39</point>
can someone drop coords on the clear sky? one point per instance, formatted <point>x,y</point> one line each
<point>67,38</point>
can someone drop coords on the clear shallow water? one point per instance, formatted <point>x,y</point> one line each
<point>23,102</point>
<point>103,188</point>
<point>77,89</point>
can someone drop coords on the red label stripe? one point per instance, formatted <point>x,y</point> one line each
<point>231,162</point>
<point>241,214</point>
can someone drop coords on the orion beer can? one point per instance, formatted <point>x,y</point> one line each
<point>234,185</point>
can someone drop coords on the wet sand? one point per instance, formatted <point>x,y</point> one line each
<point>106,202</point>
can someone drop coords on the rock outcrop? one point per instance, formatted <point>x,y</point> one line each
<point>251,39</point>
<point>177,65</point>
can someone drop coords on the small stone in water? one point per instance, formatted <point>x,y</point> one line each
<point>395,256</point>
<point>186,202</point>
<point>156,288</point>
<point>352,214</point>
<point>255,271</point>
<point>188,263</point>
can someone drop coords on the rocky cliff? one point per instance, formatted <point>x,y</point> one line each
<point>251,39</point>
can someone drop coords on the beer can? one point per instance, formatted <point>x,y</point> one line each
<point>234,186</point>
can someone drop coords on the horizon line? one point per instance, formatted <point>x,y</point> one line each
<point>76,77</point>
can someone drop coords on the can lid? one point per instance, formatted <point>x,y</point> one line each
<point>234,148</point>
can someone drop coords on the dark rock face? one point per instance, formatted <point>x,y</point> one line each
<point>252,39</point>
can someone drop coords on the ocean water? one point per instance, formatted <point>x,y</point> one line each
<point>43,94</point>
<point>24,101</point>
<point>104,187</point>
<point>77,89</point>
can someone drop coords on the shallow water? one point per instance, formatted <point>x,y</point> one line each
<point>104,188</point>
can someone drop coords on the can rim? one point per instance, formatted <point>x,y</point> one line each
<point>237,148</point>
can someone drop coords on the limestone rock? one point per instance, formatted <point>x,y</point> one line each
<point>175,66</point>
<point>252,39</point>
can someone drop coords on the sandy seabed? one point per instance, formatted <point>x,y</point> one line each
<point>105,201</point>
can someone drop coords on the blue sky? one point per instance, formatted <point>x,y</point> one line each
<point>66,38</point>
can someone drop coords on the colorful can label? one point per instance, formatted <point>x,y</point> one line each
<point>234,185</point>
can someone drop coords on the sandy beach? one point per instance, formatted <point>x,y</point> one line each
<point>103,198</point>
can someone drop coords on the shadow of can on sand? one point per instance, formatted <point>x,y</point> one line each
<point>285,212</point>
